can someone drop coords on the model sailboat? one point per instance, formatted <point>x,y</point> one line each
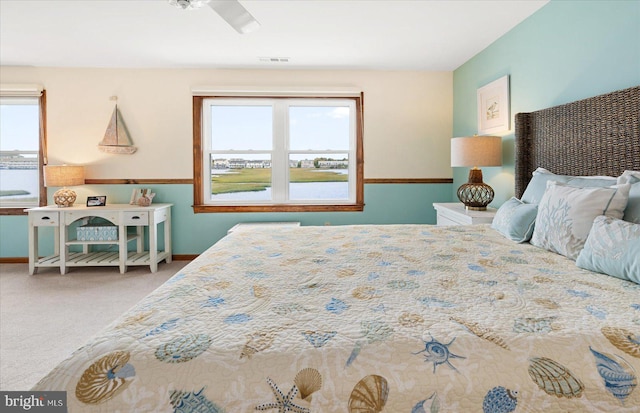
<point>116,138</point>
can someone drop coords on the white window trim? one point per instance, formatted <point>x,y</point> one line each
<point>280,151</point>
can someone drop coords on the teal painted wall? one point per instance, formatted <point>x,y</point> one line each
<point>566,51</point>
<point>194,233</point>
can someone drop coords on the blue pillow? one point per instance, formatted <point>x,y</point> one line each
<point>632,211</point>
<point>612,248</point>
<point>538,184</point>
<point>515,220</point>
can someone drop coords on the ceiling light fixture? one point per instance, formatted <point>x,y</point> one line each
<point>188,4</point>
<point>230,10</point>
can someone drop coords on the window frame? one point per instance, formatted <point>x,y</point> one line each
<point>200,152</point>
<point>42,151</point>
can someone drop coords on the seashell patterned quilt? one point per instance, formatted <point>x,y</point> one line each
<point>391,318</point>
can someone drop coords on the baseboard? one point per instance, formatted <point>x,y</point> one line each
<point>25,260</point>
<point>185,257</point>
<point>14,260</point>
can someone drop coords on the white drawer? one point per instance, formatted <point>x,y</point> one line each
<point>161,215</point>
<point>44,219</point>
<point>72,216</point>
<point>445,221</point>
<point>135,218</point>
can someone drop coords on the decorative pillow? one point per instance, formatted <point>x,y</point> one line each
<point>632,212</point>
<point>538,184</point>
<point>612,248</point>
<point>566,213</point>
<point>515,220</point>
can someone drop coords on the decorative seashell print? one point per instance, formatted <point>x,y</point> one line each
<point>448,283</point>
<point>554,378</point>
<point>259,291</point>
<point>105,378</point>
<point>369,395</point>
<point>288,308</point>
<point>336,306</point>
<point>429,405</point>
<point>514,260</point>
<point>258,341</point>
<point>404,285</point>
<point>165,326</point>
<point>284,403</point>
<point>482,332</point>
<point>623,339</point>
<point>546,303</point>
<point>375,330</point>
<point>365,292</point>
<point>345,272</point>
<point>184,348</point>
<point>542,280</point>
<point>618,376</point>
<point>319,338</point>
<point>410,319</point>
<point>409,258</point>
<point>135,319</point>
<point>445,257</point>
<point>354,354</point>
<point>221,285</point>
<point>191,402</point>
<point>533,325</point>
<point>435,302</point>
<point>500,400</point>
<point>308,381</point>
<point>437,353</point>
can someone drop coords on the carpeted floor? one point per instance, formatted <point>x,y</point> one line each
<point>44,317</point>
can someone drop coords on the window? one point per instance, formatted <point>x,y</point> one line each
<point>277,154</point>
<point>22,139</point>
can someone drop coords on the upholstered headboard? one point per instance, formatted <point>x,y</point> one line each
<point>594,136</point>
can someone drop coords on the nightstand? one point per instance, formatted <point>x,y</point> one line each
<point>455,213</point>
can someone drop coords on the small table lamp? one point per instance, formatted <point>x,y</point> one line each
<point>476,151</point>
<point>63,175</point>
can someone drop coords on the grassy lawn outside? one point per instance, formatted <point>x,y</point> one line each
<point>258,179</point>
<point>14,192</point>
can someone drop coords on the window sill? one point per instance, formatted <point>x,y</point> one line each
<point>13,211</point>
<point>198,209</point>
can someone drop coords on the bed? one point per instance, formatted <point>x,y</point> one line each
<point>383,318</point>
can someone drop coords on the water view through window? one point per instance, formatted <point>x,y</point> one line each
<point>280,152</point>
<point>19,143</point>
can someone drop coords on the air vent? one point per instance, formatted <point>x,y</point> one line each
<point>274,59</point>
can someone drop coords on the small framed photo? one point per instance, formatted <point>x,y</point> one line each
<point>94,201</point>
<point>493,107</point>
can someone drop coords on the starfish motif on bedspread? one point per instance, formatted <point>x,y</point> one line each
<point>283,403</point>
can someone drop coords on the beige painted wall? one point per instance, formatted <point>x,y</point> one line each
<point>408,116</point>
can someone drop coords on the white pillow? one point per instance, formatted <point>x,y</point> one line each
<point>632,212</point>
<point>537,186</point>
<point>566,213</point>
<point>612,248</point>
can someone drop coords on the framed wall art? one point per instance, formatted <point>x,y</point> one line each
<point>493,107</point>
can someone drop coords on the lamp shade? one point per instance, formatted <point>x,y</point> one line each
<point>63,175</point>
<point>476,151</point>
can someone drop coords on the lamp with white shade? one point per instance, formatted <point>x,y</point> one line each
<point>475,151</point>
<point>63,176</point>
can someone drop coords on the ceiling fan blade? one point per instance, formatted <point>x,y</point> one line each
<point>235,14</point>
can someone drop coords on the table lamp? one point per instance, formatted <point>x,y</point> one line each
<point>63,176</point>
<point>475,151</point>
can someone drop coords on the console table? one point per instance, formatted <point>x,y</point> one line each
<point>122,216</point>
